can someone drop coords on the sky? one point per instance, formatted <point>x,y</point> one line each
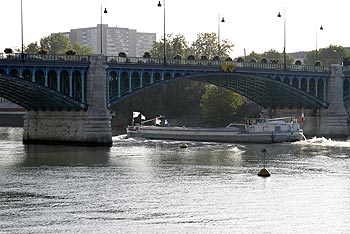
<point>251,25</point>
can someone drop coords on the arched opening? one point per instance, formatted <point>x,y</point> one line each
<point>77,85</point>
<point>52,80</point>
<point>304,84</point>
<point>312,87</point>
<point>156,77</point>
<point>40,77</point>
<point>167,76</point>
<point>27,75</point>
<point>64,82</point>
<point>286,80</point>
<point>113,83</point>
<point>146,79</point>
<point>124,83</point>
<point>14,72</point>
<point>320,89</point>
<point>295,82</point>
<point>135,81</point>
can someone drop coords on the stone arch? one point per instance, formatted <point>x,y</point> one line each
<point>320,89</point>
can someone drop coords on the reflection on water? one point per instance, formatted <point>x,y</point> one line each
<point>143,186</point>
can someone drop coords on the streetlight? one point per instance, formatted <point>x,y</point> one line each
<point>220,21</point>
<point>284,36</point>
<point>22,53</point>
<point>321,28</point>
<point>164,52</point>
<point>105,11</point>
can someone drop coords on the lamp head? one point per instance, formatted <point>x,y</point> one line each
<point>321,28</point>
<point>159,4</point>
<point>105,11</point>
<point>279,14</point>
<point>223,20</point>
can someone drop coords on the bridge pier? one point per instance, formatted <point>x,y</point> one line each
<point>83,127</point>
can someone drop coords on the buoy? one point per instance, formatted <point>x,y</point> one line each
<point>264,172</point>
<point>183,145</point>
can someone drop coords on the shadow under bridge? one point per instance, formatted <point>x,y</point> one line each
<point>264,91</point>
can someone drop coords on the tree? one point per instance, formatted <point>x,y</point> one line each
<point>82,50</point>
<point>330,55</point>
<point>207,45</point>
<point>174,46</point>
<point>220,105</point>
<point>56,43</point>
<point>32,48</point>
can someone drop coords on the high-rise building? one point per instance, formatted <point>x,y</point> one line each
<point>114,40</point>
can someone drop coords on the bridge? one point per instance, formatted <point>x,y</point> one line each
<point>73,95</point>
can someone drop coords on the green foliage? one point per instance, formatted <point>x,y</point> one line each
<point>330,55</point>
<point>207,45</point>
<point>271,55</point>
<point>82,50</point>
<point>174,46</point>
<point>32,48</point>
<point>220,105</point>
<point>55,43</point>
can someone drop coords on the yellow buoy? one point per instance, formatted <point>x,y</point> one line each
<point>264,172</point>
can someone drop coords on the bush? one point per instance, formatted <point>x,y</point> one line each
<point>43,51</point>
<point>122,54</point>
<point>318,63</point>
<point>298,62</point>
<point>263,60</point>
<point>191,57</point>
<point>177,57</point>
<point>147,55</point>
<point>71,52</point>
<point>240,60</point>
<point>8,51</point>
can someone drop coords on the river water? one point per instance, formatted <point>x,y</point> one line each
<point>143,186</point>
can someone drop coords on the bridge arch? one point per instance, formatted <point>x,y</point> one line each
<point>264,91</point>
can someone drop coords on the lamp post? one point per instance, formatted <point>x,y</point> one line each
<point>321,28</point>
<point>22,52</point>
<point>219,21</point>
<point>164,47</point>
<point>105,11</point>
<point>284,37</point>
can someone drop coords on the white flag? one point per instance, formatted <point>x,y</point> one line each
<point>135,114</point>
<point>143,117</point>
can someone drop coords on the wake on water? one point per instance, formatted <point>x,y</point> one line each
<point>322,141</point>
